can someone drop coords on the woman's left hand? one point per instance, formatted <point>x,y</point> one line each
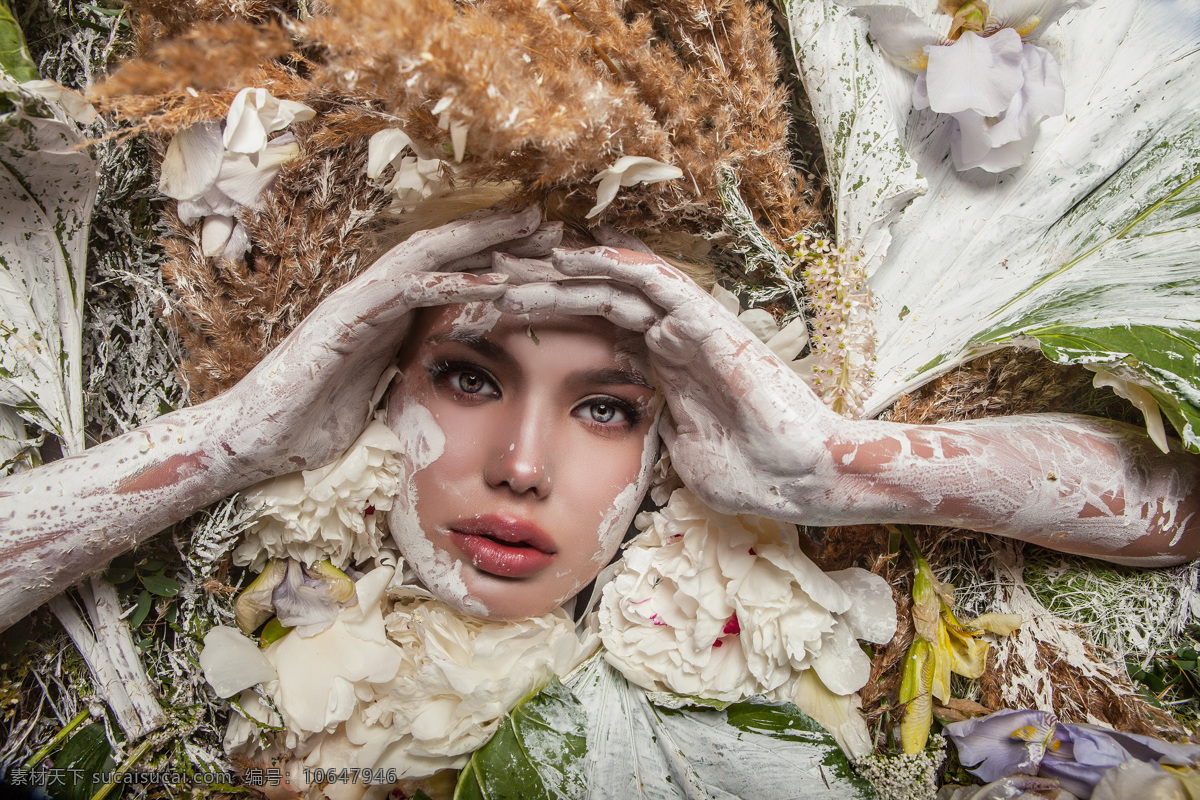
<point>744,429</point>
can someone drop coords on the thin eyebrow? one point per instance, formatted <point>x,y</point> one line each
<point>616,377</point>
<point>478,343</point>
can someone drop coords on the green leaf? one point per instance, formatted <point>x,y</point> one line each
<point>751,749</point>
<point>537,752</point>
<point>14,53</point>
<point>118,574</point>
<point>83,759</point>
<point>1091,244</point>
<point>141,610</point>
<point>161,585</point>
<point>1166,361</point>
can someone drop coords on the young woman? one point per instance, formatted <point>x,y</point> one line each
<point>529,434</point>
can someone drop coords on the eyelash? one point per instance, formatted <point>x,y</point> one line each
<point>444,372</point>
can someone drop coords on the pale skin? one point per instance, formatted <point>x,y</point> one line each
<point>745,433</point>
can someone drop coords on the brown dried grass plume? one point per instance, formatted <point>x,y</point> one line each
<point>550,94</point>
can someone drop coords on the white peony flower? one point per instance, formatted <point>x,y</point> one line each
<point>404,687</point>
<point>629,171</point>
<point>724,607</point>
<point>460,676</point>
<point>335,512</point>
<point>985,73</point>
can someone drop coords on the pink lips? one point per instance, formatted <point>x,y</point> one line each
<point>508,547</point>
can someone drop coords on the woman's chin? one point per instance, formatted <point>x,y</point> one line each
<point>506,599</point>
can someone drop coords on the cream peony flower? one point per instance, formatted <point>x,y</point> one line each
<point>725,607</point>
<point>403,685</point>
<point>336,512</point>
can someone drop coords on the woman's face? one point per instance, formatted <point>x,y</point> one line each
<point>529,441</point>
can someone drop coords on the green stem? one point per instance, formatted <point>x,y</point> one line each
<point>57,740</point>
<point>126,765</point>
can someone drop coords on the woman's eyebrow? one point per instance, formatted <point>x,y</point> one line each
<point>614,376</point>
<point>479,344</point>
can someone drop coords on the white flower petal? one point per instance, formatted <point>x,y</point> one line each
<point>215,233</point>
<point>842,665</point>
<point>975,73</point>
<point>383,149</point>
<point>238,244</point>
<point>760,322</point>
<point>728,300</point>
<point>898,32</point>
<point>192,162</point>
<point>72,102</point>
<point>793,338</point>
<point>628,171</point>
<point>872,613</point>
<point>458,137</point>
<point>1144,401</point>
<point>1030,17</point>
<point>244,181</point>
<point>606,192</point>
<point>244,131</point>
<point>231,662</point>
<point>839,714</point>
<point>253,114</point>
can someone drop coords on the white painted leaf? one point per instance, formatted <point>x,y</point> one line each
<point>1088,250</point>
<point>750,749</point>
<point>47,189</point>
<point>855,108</point>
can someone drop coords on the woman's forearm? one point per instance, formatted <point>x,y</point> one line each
<point>1078,484</point>
<point>69,518</point>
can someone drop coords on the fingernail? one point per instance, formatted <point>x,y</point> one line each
<point>494,277</point>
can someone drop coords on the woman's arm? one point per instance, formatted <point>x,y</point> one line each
<point>299,408</point>
<point>748,435</point>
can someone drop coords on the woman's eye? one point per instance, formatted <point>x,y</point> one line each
<point>469,382</point>
<point>603,412</point>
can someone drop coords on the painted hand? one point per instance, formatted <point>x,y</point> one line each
<point>744,428</point>
<point>307,400</point>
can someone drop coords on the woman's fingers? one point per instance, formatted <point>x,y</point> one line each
<point>430,250</point>
<point>539,243</point>
<point>525,270</point>
<point>662,283</point>
<point>620,305</point>
<point>609,236</point>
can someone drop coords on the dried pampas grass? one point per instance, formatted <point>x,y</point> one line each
<point>548,93</point>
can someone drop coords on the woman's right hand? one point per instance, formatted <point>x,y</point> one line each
<point>306,401</point>
<point>745,432</point>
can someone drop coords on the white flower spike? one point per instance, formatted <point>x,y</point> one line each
<point>985,74</point>
<point>628,171</point>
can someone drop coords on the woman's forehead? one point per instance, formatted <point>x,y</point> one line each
<point>483,319</point>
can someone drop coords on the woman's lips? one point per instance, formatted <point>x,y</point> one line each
<point>504,546</point>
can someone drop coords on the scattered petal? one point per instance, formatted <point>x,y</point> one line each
<point>1141,398</point>
<point>383,148</point>
<point>231,662</point>
<point>628,171</point>
<point>254,605</point>
<point>254,114</point>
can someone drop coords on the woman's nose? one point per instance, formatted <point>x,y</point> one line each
<point>520,459</point>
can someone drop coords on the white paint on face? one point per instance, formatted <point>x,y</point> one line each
<point>625,506</point>
<point>423,443</point>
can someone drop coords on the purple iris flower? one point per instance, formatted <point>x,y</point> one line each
<point>1035,742</point>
